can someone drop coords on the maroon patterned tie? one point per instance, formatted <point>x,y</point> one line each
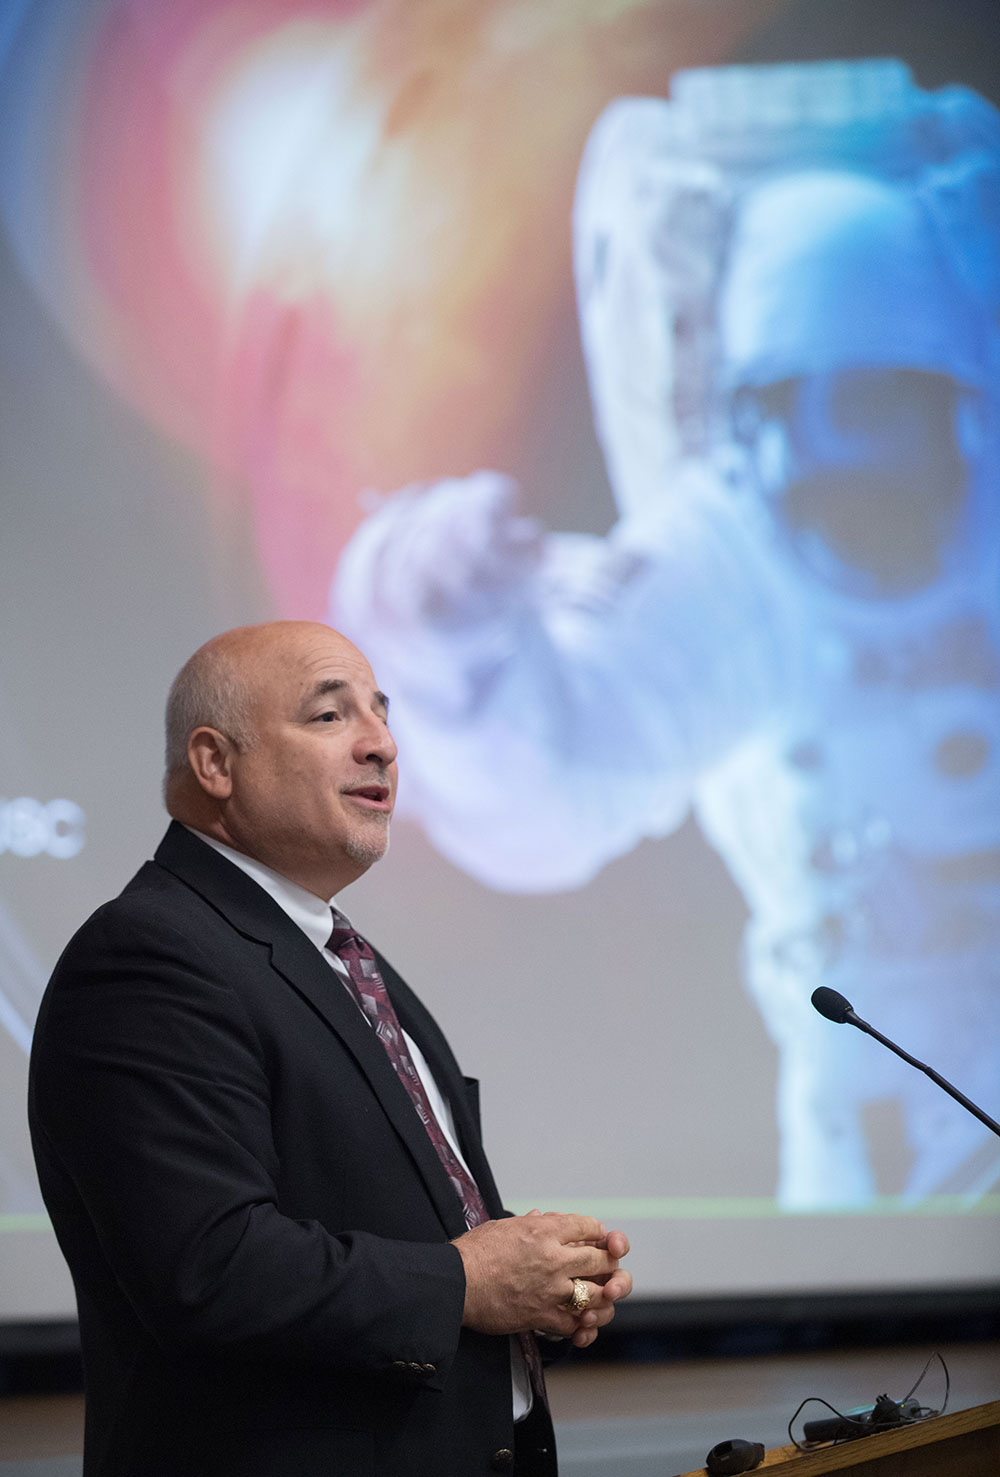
<point>373,997</point>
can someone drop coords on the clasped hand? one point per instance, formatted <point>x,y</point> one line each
<point>519,1274</point>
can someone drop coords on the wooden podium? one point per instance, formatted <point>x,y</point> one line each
<point>965,1444</point>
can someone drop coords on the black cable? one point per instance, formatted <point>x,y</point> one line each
<point>925,1411</point>
<point>864,1423</point>
<point>812,1445</point>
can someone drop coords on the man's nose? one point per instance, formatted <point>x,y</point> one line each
<point>374,743</point>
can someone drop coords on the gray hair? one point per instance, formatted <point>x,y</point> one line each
<point>210,691</point>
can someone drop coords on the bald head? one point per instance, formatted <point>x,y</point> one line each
<point>212,689</point>
<point>277,744</point>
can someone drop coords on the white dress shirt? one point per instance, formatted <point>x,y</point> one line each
<point>310,913</point>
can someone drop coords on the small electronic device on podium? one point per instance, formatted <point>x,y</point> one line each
<point>734,1456</point>
<point>882,1416</point>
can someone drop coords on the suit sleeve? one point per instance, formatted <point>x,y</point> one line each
<point>150,1109</point>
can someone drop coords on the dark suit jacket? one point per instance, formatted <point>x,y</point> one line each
<point>256,1221</point>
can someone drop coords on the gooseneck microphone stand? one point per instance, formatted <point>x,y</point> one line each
<point>835,1008</point>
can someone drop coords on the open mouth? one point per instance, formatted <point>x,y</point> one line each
<point>374,797</point>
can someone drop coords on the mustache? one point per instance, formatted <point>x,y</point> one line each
<point>378,777</point>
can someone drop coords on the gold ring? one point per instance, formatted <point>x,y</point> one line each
<point>580,1301</point>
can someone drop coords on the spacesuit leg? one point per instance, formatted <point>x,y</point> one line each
<point>823,1157</point>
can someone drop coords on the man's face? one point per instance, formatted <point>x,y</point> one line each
<point>313,794</point>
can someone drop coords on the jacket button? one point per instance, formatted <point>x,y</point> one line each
<point>502,1460</point>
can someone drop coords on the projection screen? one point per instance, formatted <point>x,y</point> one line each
<point>623,378</point>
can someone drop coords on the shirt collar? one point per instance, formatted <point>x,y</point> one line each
<point>304,908</point>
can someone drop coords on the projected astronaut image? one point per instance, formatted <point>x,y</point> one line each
<point>636,412</point>
<point>788,282</point>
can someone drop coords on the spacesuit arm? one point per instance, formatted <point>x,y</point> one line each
<point>553,695</point>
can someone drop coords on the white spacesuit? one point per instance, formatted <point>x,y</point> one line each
<point>788,282</point>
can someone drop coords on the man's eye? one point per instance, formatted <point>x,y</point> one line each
<point>328,717</point>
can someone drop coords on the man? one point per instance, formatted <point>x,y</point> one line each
<point>280,1220</point>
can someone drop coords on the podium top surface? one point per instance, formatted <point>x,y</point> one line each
<point>790,1462</point>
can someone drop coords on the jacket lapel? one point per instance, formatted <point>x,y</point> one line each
<point>420,1024</point>
<point>253,913</point>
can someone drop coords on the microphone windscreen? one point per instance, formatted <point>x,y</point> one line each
<point>832,1004</point>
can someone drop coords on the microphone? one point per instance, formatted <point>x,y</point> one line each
<point>832,1005</point>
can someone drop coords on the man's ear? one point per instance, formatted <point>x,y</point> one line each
<point>210,755</point>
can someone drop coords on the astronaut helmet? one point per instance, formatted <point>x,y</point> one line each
<point>852,356</point>
<point>790,275</point>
